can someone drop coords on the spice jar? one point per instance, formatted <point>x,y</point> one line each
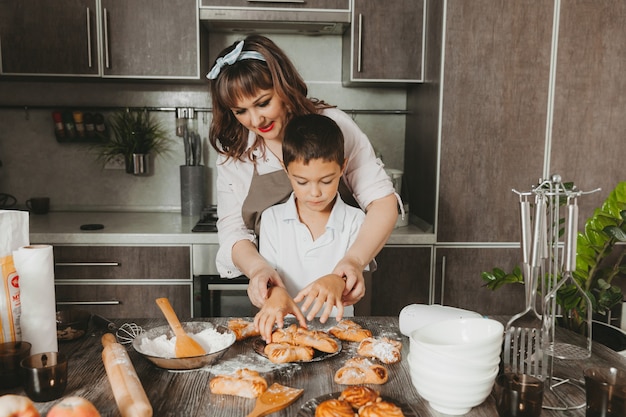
<point>58,124</point>
<point>78,123</point>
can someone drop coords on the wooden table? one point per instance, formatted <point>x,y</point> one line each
<point>186,393</point>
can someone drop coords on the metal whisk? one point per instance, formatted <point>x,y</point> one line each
<point>125,334</point>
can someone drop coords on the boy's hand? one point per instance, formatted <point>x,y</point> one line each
<point>326,292</point>
<point>276,307</point>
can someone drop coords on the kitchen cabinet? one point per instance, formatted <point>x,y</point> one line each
<point>458,281</point>
<point>385,42</point>
<point>101,38</point>
<point>402,278</point>
<point>309,4</point>
<point>123,281</point>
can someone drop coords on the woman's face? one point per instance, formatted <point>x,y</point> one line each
<point>264,113</point>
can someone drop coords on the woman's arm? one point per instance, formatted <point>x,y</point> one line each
<point>380,220</point>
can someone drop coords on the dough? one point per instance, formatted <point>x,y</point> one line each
<point>349,331</point>
<point>242,383</point>
<point>384,349</point>
<point>361,370</point>
<point>381,409</point>
<point>359,395</point>
<point>334,408</point>
<point>286,352</point>
<point>242,328</point>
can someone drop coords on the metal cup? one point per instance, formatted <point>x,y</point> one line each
<point>518,395</point>
<point>605,390</point>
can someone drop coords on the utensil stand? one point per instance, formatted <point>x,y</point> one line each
<point>566,331</point>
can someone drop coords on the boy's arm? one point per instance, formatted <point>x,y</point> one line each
<point>325,292</point>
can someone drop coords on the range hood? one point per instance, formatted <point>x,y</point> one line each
<point>305,22</point>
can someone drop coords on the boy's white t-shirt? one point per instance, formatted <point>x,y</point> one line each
<point>288,246</point>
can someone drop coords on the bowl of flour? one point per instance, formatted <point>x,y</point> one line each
<point>157,345</point>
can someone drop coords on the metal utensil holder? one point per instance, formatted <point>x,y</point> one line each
<point>558,262</point>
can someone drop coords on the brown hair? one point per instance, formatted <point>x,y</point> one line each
<point>244,79</point>
<point>312,136</point>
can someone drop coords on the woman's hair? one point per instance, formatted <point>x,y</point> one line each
<point>312,136</point>
<point>243,79</point>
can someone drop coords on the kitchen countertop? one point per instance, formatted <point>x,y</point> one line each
<point>162,228</point>
<point>186,393</point>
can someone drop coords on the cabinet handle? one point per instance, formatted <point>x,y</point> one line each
<point>106,38</point>
<point>277,1</point>
<point>87,264</point>
<point>360,45</point>
<point>89,37</point>
<point>89,303</point>
<point>443,277</point>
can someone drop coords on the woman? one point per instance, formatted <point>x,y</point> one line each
<point>255,90</point>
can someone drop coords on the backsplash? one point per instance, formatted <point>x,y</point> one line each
<point>35,164</point>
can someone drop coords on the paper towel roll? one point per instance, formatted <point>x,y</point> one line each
<point>35,267</point>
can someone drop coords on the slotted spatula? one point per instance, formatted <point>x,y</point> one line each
<point>522,352</point>
<point>275,398</point>
<point>185,345</point>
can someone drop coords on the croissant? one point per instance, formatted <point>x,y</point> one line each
<point>359,395</point>
<point>285,352</point>
<point>242,328</point>
<point>381,409</point>
<point>242,383</point>
<point>384,349</point>
<point>361,370</point>
<point>349,331</point>
<point>334,408</point>
<point>316,339</point>
<point>284,335</point>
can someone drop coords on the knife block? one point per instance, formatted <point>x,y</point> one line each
<point>192,180</point>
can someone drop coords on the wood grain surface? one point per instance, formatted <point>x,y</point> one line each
<point>186,393</point>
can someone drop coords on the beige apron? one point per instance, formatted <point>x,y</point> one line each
<point>274,188</point>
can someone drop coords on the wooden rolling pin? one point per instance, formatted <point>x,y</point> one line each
<point>129,395</point>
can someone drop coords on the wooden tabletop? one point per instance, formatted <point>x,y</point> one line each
<point>186,393</point>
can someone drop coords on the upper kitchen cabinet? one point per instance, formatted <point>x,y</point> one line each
<point>385,42</point>
<point>101,38</point>
<point>493,118</point>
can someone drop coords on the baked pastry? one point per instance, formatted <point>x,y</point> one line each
<point>349,331</point>
<point>381,409</point>
<point>359,395</point>
<point>285,334</point>
<point>361,370</point>
<point>334,408</point>
<point>316,339</point>
<point>242,383</point>
<point>384,349</point>
<point>286,352</point>
<point>242,328</point>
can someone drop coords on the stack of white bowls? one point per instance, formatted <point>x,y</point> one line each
<point>454,363</point>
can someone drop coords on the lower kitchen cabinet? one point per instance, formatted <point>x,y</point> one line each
<point>123,300</point>
<point>402,278</point>
<point>123,281</point>
<point>458,281</point>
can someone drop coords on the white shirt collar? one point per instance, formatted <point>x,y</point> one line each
<point>335,221</point>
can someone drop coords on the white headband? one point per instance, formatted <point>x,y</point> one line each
<point>232,57</point>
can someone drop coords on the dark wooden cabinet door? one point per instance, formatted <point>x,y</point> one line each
<point>458,281</point>
<point>40,37</point>
<point>384,42</point>
<point>309,4</point>
<point>402,278</point>
<point>150,38</point>
<point>589,128</point>
<point>493,127</point>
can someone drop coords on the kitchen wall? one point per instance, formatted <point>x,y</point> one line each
<point>35,164</point>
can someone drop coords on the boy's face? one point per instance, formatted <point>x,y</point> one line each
<point>315,184</point>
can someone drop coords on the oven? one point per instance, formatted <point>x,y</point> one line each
<point>215,296</point>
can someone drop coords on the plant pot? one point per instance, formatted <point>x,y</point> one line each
<point>138,164</point>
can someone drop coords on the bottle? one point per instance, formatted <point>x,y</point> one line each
<point>68,124</point>
<point>98,120</point>
<point>90,128</point>
<point>78,123</point>
<point>59,131</point>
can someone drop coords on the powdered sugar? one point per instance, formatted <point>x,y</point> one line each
<point>210,339</point>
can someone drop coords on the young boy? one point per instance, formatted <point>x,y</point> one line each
<point>306,236</point>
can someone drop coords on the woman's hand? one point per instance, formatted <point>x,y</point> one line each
<point>276,307</point>
<point>325,292</point>
<point>352,270</point>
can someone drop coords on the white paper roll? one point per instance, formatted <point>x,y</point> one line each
<point>35,266</point>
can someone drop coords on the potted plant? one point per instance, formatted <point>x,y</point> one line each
<point>599,260</point>
<point>135,136</point>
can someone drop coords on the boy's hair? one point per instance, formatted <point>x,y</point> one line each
<point>312,136</point>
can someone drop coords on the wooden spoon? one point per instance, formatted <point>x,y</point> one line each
<point>185,346</point>
<point>275,398</point>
